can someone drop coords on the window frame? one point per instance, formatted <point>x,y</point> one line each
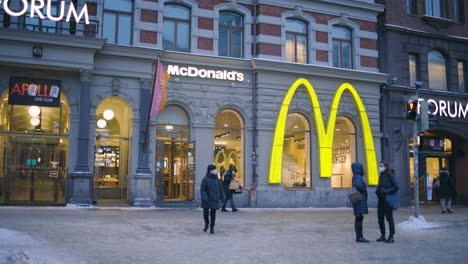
<point>229,29</point>
<point>458,14</point>
<point>295,34</point>
<point>117,14</point>
<point>464,76</point>
<point>411,7</point>
<point>177,21</point>
<point>429,72</point>
<point>341,41</point>
<point>353,127</point>
<point>430,7</point>
<point>416,73</point>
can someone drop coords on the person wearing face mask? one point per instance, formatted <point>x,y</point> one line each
<point>387,185</point>
<point>212,194</point>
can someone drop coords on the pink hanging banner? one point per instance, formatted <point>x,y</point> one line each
<point>159,92</point>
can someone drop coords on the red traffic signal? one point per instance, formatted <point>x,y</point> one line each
<point>412,109</point>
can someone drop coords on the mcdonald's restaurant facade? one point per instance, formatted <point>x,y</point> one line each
<point>269,104</point>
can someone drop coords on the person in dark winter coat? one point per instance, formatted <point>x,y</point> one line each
<point>228,177</point>
<point>360,208</point>
<point>387,185</point>
<point>212,193</point>
<point>446,190</point>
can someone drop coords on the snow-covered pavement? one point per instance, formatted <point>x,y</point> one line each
<point>129,235</point>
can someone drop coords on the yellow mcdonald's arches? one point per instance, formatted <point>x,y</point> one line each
<point>324,137</point>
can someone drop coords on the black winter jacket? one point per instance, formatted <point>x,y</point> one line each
<point>387,184</point>
<point>211,192</point>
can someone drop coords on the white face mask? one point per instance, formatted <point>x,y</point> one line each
<point>381,169</point>
<point>215,172</point>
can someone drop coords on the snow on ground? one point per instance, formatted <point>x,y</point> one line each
<point>15,237</point>
<point>420,223</point>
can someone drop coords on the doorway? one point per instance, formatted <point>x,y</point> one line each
<point>175,170</point>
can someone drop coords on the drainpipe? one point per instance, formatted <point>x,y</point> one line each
<point>253,189</point>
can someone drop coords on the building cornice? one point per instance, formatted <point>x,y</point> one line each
<point>131,52</point>
<point>424,33</point>
<point>51,39</point>
<point>205,60</point>
<point>426,92</point>
<point>317,70</point>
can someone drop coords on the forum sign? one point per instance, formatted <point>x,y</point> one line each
<point>43,10</point>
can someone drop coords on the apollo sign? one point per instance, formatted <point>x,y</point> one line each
<point>175,70</point>
<point>37,7</point>
<point>445,108</point>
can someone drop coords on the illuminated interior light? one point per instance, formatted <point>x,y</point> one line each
<point>108,114</point>
<point>34,111</point>
<point>101,123</point>
<point>324,136</point>
<point>35,121</point>
<point>169,127</point>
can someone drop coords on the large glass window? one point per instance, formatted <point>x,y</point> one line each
<point>229,142</point>
<point>296,41</point>
<point>230,34</point>
<point>342,47</point>
<point>296,152</point>
<point>175,157</point>
<point>112,150</point>
<point>461,69</point>
<point>437,72</point>
<point>344,153</point>
<point>413,69</point>
<point>176,32</point>
<point>117,25</point>
<point>33,152</point>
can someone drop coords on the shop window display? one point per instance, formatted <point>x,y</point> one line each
<point>344,153</point>
<point>296,152</point>
<point>229,143</point>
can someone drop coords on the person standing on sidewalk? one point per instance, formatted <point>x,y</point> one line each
<point>212,194</point>
<point>387,185</point>
<point>446,190</point>
<point>360,208</point>
<point>228,177</point>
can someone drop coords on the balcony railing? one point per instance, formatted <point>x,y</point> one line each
<point>45,25</point>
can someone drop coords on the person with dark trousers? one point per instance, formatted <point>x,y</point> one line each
<point>228,177</point>
<point>212,194</point>
<point>360,208</point>
<point>387,185</point>
<point>446,189</point>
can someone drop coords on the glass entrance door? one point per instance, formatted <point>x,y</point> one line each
<point>175,170</point>
<point>33,169</point>
<point>433,166</point>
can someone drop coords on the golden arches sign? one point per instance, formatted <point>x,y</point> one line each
<point>324,137</point>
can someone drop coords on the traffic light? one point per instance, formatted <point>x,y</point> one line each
<point>411,109</point>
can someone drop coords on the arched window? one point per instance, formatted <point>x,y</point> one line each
<point>342,47</point>
<point>229,142</point>
<point>296,41</point>
<point>175,161</point>
<point>231,30</point>
<point>344,153</point>
<point>176,31</point>
<point>112,149</point>
<point>296,152</point>
<point>437,72</point>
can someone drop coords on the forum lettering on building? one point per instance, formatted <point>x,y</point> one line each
<point>43,10</point>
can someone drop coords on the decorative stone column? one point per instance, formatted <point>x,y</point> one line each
<point>143,187</point>
<point>82,177</point>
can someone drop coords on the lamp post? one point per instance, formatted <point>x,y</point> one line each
<point>416,157</point>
